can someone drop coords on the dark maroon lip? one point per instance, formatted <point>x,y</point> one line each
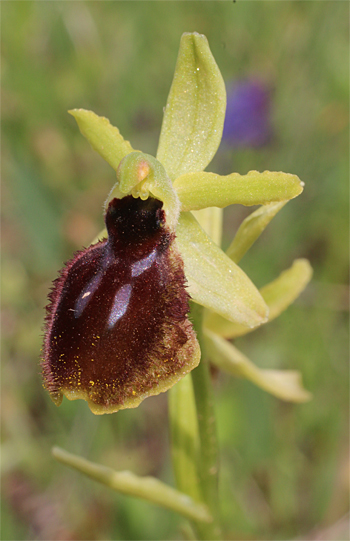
<point>117,319</point>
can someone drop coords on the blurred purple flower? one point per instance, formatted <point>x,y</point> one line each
<point>248,122</point>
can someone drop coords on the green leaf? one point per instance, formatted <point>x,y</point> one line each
<point>102,136</point>
<point>199,190</point>
<point>251,229</point>
<point>147,488</point>
<point>214,281</point>
<point>278,295</point>
<point>195,111</point>
<point>285,384</point>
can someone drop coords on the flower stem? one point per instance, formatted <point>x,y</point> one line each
<point>185,438</point>
<point>193,437</point>
<point>208,459</point>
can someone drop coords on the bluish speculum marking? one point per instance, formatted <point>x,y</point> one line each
<point>120,304</point>
<point>143,264</point>
<point>86,295</point>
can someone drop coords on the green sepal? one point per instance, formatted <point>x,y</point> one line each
<point>102,136</point>
<point>251,229</point>
<point>214,280</point>
<point>285,384</point>
<point>278,295</point>
<point>200,190</point>
<point>147,488</point>
<point>210,219</point>
<point>195,111</point>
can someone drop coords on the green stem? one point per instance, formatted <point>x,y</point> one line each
<point>185,437</point>
<point>193,438</point>
<point>208,463</point>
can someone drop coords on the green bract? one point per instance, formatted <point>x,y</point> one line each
<point>190,135</point>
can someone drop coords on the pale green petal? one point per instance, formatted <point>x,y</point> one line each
<point>283,291</point>
<point>285,384</point>
<point>214,281</point>
<point>278,295</point>
<point>251,229</point>
<point>102,136</point>
<point>147,488</point>
<point>184,437</point>
<point>199,190</point>
<point>210,219</point>
<point>195,111</point>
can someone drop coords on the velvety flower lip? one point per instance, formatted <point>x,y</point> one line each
<point>117,326</point>
<point>248,114</point>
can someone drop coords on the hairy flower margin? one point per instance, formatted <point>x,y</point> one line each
<point>192,202</point>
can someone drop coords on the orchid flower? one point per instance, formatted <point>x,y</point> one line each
<point>164,222</point>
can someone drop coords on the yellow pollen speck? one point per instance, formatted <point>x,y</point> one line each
<point>134,392</point>
<point>92,359</point>
<point>92,382</point>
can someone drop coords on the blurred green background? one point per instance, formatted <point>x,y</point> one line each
<point>284,467</point>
